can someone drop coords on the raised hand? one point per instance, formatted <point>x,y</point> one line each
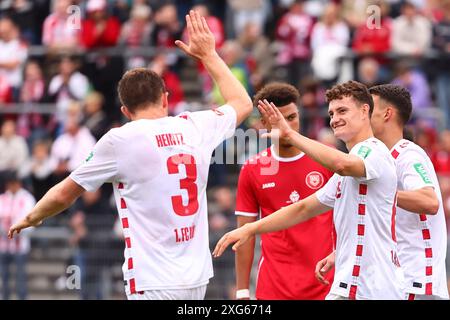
<point>323,267</point>
<point>201,39</point>
<point>280,128</point>
<point>237,236</point>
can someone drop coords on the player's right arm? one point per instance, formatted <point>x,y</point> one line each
<point>282,219</point>
<point>202,46</point>
<point>244,257</point>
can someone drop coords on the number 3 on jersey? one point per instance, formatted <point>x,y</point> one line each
<point>187,183</point>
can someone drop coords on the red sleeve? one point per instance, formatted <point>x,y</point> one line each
<point>111,34</point>
<point>246,201</point>
<point>87,34</point>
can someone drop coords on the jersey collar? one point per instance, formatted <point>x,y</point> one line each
<point>281,159</point>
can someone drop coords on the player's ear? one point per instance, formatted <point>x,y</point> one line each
<point>165,100</point>
<point>125,112</point>
<point>388,113</point>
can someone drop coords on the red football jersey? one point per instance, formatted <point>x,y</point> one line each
<point>288,257</point>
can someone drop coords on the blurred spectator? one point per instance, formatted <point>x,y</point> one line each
<point>13,54</point>
<point>221,220</point>
<point>72,147</point>
<point>441,161</point>
<point>258,52</point>
<point>57,34</point>
<point>23,13</point>
<point>354,12</point>
<point>369,72</point>
<point>6,91</point>
<point>91,222</point>
<point>171,81</point>
<point>99,29</point>
<point>374,39</point>
<point>293,33</point>
<point>14,150</point>
<point>417,84</point>
<point>441,42</point>
<point>34,125</point>
<point>242,12</point>
<point>329,40</point>
<point>39,168</point>
<point>68,85</point>
<point>232,53</point>
<point>136,32</point>
<point>94,117</point>
<point>167,28</point>
<point>15,204</point>
<point>411,32</point>
<point>313,107</point>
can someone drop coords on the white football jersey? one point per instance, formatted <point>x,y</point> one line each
<point>366,265</point>
<point>422,239</point>
<point>159,171</point>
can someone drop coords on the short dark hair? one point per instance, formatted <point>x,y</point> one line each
<point>354,89</point>
<point>398,97</point>
<point>140,87</point>
<point>281,94</point>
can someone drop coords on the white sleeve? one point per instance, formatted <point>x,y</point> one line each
<point>415,173</point>
<point>99,167</point>
<point>216,125</point>
<point>327,194</point>
<point>373,162</point>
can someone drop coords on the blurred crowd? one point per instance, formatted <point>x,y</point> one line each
<point>60,62</point>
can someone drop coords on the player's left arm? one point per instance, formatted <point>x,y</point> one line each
<point>56,200</point>
<point>281,219</point>
<point>332,159</point>
<point>418,194</point>
<point>421,201</point>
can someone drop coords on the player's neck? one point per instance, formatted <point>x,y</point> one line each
<point>150,114</point>
<point>391,136</point>
<point>363,135</point>
<point>286,152</point>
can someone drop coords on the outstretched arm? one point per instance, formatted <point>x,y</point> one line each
<point>202,46</point>
<point>281,219</point>
<point>56,200</point>
<point>421,201</point>
<point>333,159</point>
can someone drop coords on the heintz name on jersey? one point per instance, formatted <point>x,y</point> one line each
<point>184,234</point>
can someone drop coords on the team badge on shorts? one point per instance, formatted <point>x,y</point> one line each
<point>314,180</point>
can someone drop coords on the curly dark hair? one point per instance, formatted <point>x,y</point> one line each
<point>398,97</point>
<point>140,87</point>
<point>281,94</point>
<point>354,89</point>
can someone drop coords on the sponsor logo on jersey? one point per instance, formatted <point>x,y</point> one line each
<point>294,196</point>
<point>314,180</point>
<point>268,185</point>
<point>90,156</point>
<point>364,151</point>
<point>422,173</point>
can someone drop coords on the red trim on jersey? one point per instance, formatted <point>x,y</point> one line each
<point>395,154</point>
<point>130,263</point>
<point>359,250</point>
<point>394,212</point>
<point>411,296</point>
<point>429,288</point>
<point>363,189</point>
<point>426,234</point>
<point>356,270</point>
<point>429,271</point>
<point>361,209</point>
<point>428,252</point>
<point>120,185</point>
<point>423,217</point>
<point>125,223</point>
<point>123,204</point>
<point>128,242</point>
<point>132,286</point>
<point>361,229</point>
<point>352,293</point>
